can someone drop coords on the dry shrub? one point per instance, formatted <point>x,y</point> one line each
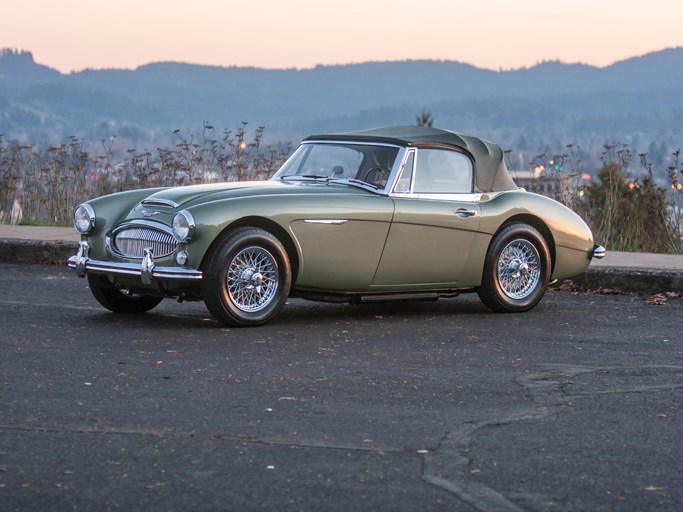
<point>44,187</point>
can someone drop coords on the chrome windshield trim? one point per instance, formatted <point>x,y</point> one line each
<point>385,191</point>
<point>135,269</point>
<point>354,142</point>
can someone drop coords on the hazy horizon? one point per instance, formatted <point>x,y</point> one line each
<point>75,35</point>
<point>37,61</point>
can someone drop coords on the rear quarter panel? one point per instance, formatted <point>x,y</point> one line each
<point>572,240</point>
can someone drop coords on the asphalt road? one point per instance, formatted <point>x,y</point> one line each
<point>577,405</point>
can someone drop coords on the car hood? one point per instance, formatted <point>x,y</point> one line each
<point>184,197</point>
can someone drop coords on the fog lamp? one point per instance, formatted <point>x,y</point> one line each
<point>181,258</point>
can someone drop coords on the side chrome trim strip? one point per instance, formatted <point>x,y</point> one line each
<point>469,197</point>
<point>326,221</point>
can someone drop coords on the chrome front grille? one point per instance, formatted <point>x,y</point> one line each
<point>131,242</point>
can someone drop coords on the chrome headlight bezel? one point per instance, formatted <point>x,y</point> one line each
<point>183,226</point>
<point>84,219</point>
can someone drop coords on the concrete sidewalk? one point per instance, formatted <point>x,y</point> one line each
<point>629,272</point>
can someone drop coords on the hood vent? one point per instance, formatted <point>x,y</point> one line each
<point>159,203</point>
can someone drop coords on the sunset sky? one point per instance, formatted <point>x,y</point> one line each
<point>72,35</point>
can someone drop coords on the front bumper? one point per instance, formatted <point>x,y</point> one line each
<point>147,269</point>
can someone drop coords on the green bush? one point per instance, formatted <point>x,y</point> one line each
<point>627,211</point>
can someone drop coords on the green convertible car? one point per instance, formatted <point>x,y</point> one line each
<point>388,213</point>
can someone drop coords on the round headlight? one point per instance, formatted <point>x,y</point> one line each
<point>183,226</point>
<point>84,219</point>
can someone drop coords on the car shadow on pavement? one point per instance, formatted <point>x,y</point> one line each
<point>296,312</point>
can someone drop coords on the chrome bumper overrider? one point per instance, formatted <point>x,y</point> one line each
<point>147,269</point>
<point>599,252</point>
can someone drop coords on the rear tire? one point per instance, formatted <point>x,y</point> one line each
<point>120,300</point>
<point>247,278</point>
<point>516,270</point>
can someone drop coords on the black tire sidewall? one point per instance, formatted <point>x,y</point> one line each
<point>214,283</point>
<point>113,299</point>
<point>491,292</point>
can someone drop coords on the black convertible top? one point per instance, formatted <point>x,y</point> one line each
<point>491,174</point>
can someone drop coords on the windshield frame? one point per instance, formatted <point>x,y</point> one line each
<point>281,174</point>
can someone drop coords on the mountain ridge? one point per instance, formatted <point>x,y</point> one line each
<point>634,100</point>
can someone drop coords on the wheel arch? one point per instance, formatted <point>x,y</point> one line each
<point>525,274</point>
<point>268,225</point>
<point>538,224</point>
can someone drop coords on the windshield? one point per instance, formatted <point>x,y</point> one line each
<point>370,164</point>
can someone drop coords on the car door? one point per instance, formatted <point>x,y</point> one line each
<point>341,238</point>
<point>340,224</point>
<point>436,216</point>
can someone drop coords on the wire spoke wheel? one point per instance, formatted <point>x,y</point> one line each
<point>252,279</point>
<point>247,277</point>
<point>516,270</point>
<point>519,269</point>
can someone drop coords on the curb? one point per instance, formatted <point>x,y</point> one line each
<point>31,251</point>
<point>630,280</point>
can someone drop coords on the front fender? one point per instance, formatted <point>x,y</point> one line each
<point>349,237</point>
<point>110,210</point>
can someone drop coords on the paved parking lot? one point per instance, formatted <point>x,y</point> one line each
<point>576,405</point>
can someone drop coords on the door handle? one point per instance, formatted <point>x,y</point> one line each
<point>464,213</point>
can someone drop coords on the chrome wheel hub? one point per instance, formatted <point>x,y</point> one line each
<point>252,279</point>
<point>519,269</point>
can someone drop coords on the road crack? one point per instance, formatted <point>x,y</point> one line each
<point>551,391</point>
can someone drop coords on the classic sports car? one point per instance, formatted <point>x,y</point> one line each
<point>388,213</point>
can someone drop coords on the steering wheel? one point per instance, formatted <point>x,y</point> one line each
<point>376,176</point>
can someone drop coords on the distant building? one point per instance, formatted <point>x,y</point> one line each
<point>535,180</point>
<point>555,184</point>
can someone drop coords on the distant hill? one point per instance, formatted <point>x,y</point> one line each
<point>638,101</point>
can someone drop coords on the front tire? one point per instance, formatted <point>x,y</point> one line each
<point>120,300</point>
<point>247,278</point>
<point>516,270</point>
